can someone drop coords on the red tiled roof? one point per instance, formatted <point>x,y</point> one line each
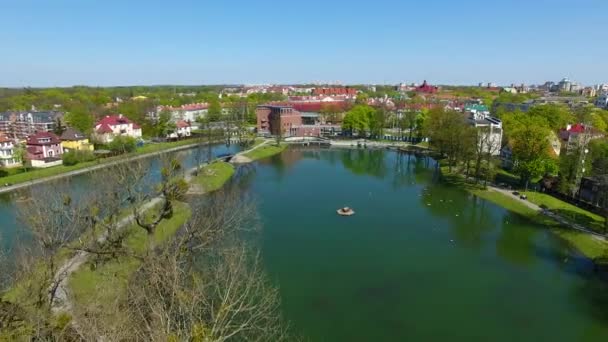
<point>114,120</point>
<point>426,88</point>
<point>104,128</point>
<point>4,138</point>
<point>35,139</point>
<point>182,124</point>
<point>334,91</point>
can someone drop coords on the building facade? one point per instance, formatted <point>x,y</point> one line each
<point>73,140</point>
<point>44,150</point>
<point>19,125</point>
<point>7,153</point>
<point>112,126</point>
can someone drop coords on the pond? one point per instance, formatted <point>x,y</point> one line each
<point>9,221</point>
<point>418,261</point>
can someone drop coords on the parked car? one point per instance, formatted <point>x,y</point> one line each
<point>515,193</point>
<point>523,197</point>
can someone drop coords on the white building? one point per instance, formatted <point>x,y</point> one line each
<point>602,101</point>
<point>490,128</point>
<point>7,153</point>
<point>189,113</point>
<point>182,129</point>
<point>115,125</point>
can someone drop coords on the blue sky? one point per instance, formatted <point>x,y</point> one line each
<point>67,42</point>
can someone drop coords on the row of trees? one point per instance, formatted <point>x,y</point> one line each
<point>205,284</point>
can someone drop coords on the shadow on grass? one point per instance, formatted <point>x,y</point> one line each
<point>582,219</point>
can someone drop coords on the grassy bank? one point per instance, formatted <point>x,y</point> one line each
<point>567,210</point>
<point>587,244</point>
<point>17,175</point>
<point>99,288</point>
<point>212,177</point>
<point>265,151</point>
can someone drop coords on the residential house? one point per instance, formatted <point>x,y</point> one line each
<point>44,150</point>
<point>73,140</point>
<point>7,152</point>
<point>602,101</point>
<point>115,125</point>
<point>574,136</point>
<point>182,129</point>
<point>189,113</point>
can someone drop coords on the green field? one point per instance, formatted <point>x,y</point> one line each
<point>265,151</point>
<point>212,177</point>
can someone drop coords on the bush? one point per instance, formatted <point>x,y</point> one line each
<point>122,144</point>
<point>74,157</point>
<point>3,173</point>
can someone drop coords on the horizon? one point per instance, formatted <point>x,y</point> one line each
<point>112,44</point>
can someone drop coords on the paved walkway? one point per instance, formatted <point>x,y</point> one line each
<point>11,188</point>
<point>241,158</point>
<point>549,213</point>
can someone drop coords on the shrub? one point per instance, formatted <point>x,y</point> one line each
<point>122,144</point>
<point>74,157</point>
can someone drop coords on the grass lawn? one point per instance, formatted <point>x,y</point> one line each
<point>17,175</point>
<point>567,210</point>
<point>265,151</point>
<point>212,177</point>
<point>587,244</point>
<point>103,286</point>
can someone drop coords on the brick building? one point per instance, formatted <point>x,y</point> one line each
<point>272,119</point>
<point>22,124</point>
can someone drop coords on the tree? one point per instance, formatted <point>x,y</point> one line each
<point>529,139</point>
<point>79,118</point>
<point>58,128</point>
<point>122,144</point>
<point>20,155</point>
<point>557,116</point>
<point>164,126</point>
<point>214,112</point>
<point>358,119</point>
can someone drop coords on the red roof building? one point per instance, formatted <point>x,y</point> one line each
<point>114,125</point>
<point>44,149</point>
<point>427,88</point>
<point>334,91</point>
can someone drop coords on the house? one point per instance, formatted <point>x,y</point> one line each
<point>188,112</point>
<point>73,140</point>
<point>602,101</point>
<point>344,91</point>
<point>115,125</point>
<point>577,135</point>
<point>182,129</point>
<point>44,150</point>
<point>7,152</point>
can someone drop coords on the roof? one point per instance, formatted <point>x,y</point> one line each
<point>182,124</point>
<point>35,139</point>
<point>426,88</point>
<point>72,134</point>
<point>105,125</point>
<point>4,138</point>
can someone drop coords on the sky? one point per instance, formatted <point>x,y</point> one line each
<point>132,42</point>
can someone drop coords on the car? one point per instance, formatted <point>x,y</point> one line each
<point>523,197</point>
<point>515,193</point>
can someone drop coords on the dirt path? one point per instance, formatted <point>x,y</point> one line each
<point>241,158</point>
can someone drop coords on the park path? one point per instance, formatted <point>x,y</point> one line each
<point>551,214</point>
<point>63,301</point>
<point>240,157</point>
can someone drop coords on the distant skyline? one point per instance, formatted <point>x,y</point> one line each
<point>112,43</point>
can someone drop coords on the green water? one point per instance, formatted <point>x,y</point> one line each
<point>419,261</point>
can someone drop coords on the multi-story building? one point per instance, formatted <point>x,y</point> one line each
<point>189,113</point>
<point>115,125</point>
<point>44,150</point>
<point>7,152</point>
<point>574,136</point>
<point>286,121</point>
<point>490,137</point>
<point>602,100</point>
<point>19,125</point>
